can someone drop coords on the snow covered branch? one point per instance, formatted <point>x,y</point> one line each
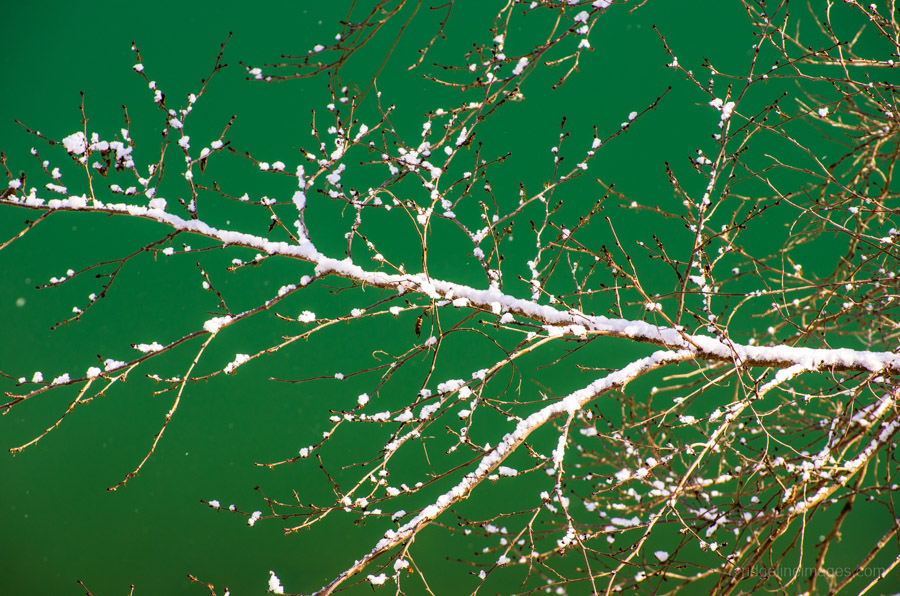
<point>417,295</point>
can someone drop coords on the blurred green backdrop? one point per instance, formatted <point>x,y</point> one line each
<point>58,521</point>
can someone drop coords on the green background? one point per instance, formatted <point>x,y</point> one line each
<point>58,521</point>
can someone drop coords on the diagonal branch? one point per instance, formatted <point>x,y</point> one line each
<point>565,322</point>
<point>571,403</point>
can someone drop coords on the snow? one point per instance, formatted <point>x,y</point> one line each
<point>377,580</point>
<point>405,416</point>
<point>213,325</point>
<point>286,289</point>
<point>727,108</point>
<point>299,200</point>
<point>626,523</point>
<point>428,410</point>
<point>520,67</point>
<point>147,348</point>
<point>623,474</point>
<point>450,386</point>
<point>75,144</point>
<point>109,364</point>
<point>239,359</point>
<point>275,586</point>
